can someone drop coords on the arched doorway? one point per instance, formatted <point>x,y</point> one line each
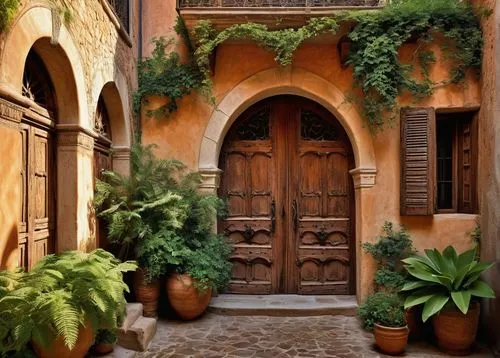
<point>286,163</point>
<point>36,236</point>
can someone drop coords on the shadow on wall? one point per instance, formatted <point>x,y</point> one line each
<point>9,250</point>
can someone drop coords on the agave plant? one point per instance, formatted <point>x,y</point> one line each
<point>444,279</point>
<point>59,295</point>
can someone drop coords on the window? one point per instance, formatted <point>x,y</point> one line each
<point>438,162</point>
<point>122,10</point>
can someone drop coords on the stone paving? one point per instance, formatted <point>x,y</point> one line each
<point>277,337</point>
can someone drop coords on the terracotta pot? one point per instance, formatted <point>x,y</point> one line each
<point>414,322</point>
<point>455,331</point>
<point>103,348</point>
<point>185,298</point>
<point>147,293</point>
<point>59,349</point>
<point>390,340</point>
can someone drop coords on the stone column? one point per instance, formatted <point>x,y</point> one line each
<point>121,160</point>
<point>364,181</point>
<point>75,189</point>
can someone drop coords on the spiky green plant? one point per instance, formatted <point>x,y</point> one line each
<point>444,279</point>
<point>60,294</point>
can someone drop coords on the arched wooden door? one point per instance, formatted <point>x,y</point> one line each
<point>286,179</point>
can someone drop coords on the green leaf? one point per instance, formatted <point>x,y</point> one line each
<point>412,285</point>
<point>434,305</point>
<point>422,275</point>
<point>475,272</point>
<point>462,300</point>
<point>466,258</point>
<point>420,296</point>
<point>481,289</point>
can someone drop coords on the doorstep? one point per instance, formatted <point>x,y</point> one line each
<point>283,305</point>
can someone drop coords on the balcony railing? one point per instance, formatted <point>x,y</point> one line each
<point>274,3</point>
<point>122,10</point>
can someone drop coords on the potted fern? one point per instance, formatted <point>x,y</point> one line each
<point>383,313</point>
<point>157,216</point>
<point>59,305</point>
<point>448,286</point>
<point>105,341</point>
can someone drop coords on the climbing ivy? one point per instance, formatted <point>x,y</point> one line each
<point>7,10</point>
<point>376,38</point>
<point>165,75</point>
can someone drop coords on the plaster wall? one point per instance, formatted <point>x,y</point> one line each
<point>242,74</point>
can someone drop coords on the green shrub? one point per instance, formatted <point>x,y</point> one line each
<point>382,308</point>
<point>444,279</point>
<point>61,293</point>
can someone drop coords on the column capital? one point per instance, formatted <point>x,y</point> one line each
<point>74,136</point>
<point>210,180</point>
<point>363,177</point>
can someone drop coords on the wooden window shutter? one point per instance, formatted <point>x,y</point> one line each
<point>418,128</point>
<point>467,164</point>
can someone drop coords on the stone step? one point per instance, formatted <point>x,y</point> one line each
<point>139,334</point>
<point>133,312</point>
<point>283,305</point>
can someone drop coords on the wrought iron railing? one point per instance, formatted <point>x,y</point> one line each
<point>274,3</point>
<point>122,10</point>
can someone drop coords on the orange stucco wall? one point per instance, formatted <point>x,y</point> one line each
<point>180,136</point>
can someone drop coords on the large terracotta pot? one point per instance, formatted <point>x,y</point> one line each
<point>147,293</point>
<point>390,340</point>
<point>455,331</point>
<point>185,298</point>
<point>59,349</point>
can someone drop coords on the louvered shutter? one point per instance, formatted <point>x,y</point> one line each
<point>466,165</point>
<point>417,161</point>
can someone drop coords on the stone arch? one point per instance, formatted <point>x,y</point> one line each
<point>33,29</point>
<point>294,81</point>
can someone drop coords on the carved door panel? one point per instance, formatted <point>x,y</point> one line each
<point>37,227</point>
<point>249,185</point>
<point>102,162</point>
<point>286,181</point>
<point>320,251</point>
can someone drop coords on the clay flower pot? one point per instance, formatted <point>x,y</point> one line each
<point>186,300</point>
<point>59,349</point>
<point>103,348</point>
<point>390,340</point>
<point>455,331</point>
<point>147,293</point>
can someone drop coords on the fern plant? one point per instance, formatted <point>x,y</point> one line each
<point>60,294</point>
<point>158,215</point>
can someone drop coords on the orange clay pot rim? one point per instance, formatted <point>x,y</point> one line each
<point>391,328</point>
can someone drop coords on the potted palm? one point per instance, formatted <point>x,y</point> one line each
<point>383,313</point>
<point>448,285</point>
<point>59,305</point>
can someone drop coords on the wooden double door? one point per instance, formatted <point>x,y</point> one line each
<point>286,180</point>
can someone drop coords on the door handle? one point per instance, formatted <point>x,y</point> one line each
<point>295,216</point>
<point>273,216</point>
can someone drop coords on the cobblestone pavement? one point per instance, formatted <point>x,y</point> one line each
<point>256,336</point>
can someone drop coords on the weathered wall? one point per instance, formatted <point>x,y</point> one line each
<point>489,166</point>
<point>181,135</point>
<point>91,54</point>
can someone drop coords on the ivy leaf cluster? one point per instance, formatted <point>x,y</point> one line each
<point>376,38</point>
<point>8,9</point>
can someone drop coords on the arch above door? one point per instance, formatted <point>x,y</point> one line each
<point>281,81</point>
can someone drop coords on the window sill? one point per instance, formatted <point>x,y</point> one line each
<point>118,25</point>
<point>455,216</point>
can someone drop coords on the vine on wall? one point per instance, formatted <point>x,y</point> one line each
<point>7,10</point>
<point>376,38</point>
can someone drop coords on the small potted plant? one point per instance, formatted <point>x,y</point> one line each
<point>105,341</point>
<point>383,313</point>
<point>448,286</point>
